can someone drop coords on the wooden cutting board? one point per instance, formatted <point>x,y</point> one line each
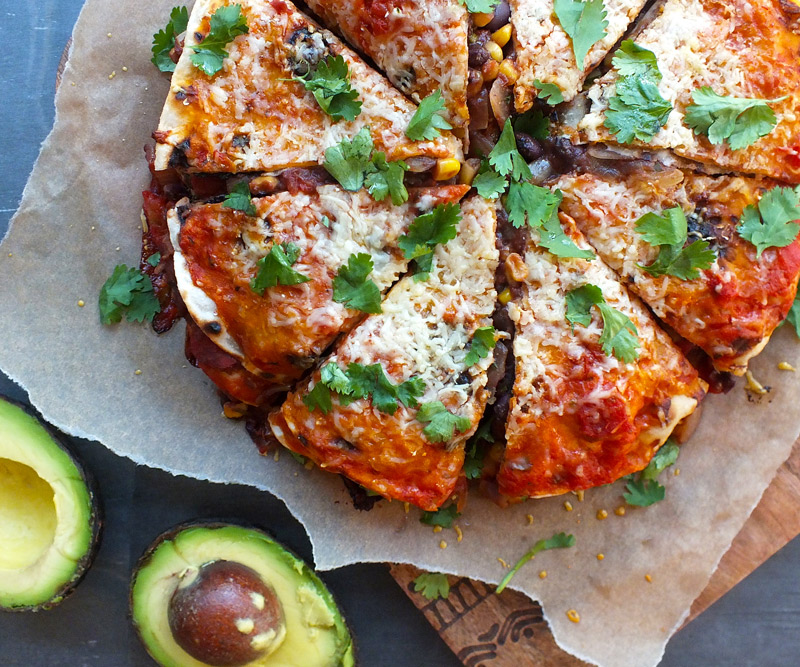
<point>508,630</point>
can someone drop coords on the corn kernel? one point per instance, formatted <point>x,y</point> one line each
<point>495,50</point>
<point>648,578</point>
<point>620,511</point>
<point>600,556</point>
<point>505,296</point>
<point>467,173</point>
<point>573,616</point>
<point>482,19</point>
<point>81,302</point>
<point>543,574</point>
<point>601,514</point>
<point>446,168</point>
<point>490,69</point>
<point>502,35</point>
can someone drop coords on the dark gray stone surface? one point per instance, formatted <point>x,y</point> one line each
<point>757,624</point>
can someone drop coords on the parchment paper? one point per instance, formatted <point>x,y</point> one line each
<point>80,217</point>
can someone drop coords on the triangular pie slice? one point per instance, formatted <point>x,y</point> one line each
<point>423,336</point>
<point>278,334</point>
<point>579,417</point>
<point>254,116</point>
<point>421,45</point>
<point>731,309</point>
<point>545,51</point>
<point>744,49</point>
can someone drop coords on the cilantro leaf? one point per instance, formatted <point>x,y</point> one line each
<point>585,23</point>
<point>276,268</point>
<point>536,203</point>
<point>371,381</point>
<point>637,110</point>
<point>533,123</point>
<point>226,24</point>
<point>666,455</point>
<point>334,378</point>
<point>643,492</point>
<point>239,199</point>
<point>319,398</point>
<point>479,6</point>
<point>553,238</point>
<point>386,178</point>
<point>793,316</point>
<point>772,224</point>
<point>441,422</point>
<point>154,259</point>
<point>505,157</point>
<point>739,120</point>
<point>127,292</point>
<point>427,231</point>
<point>549,91</point>
<point>630,59</point>
<point>474,453</point>
<point>443,517</point>
<point>349,160</point>
<point>432,586</point>
<point>352,286</point>
<point>482,342</point>
<point>558,541</point>
<point>619,336</point>
<point>427,121</point>
<point>329,82</point>
<point>164,40</point>
<point>488,183</point>
<point>669,231</point>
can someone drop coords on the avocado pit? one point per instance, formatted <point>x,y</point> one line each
<point>225,615</point>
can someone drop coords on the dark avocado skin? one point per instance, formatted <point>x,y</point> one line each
<point>96,519</point>
<point>171,533</point>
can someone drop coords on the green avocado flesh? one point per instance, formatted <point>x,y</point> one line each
<point>47,522</point>
<point>316,635</point>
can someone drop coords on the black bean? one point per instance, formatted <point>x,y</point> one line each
<point>530,148</point>
<point>477,55</point>
<point>501,15</point>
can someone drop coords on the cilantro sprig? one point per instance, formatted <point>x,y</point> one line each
<point>741,121</point>
<point>773,222</point>
<point>276,268</point>
<point>793,317</point>
<point>585,23</point>
<point>475,451</point>
<point>127,292</point>
<point>479,6</point>
<point>441,423</point>
<point>352,163</point>
<point>427,119</point>
<point>360,381</point>
<point>637,110</point>
<point>644,490</point>
<point>619,336</point>
<point>549,92</point>
<point>558,541</point>
<point>226,24</point>
<point>506,159</point>
<point>239,199</point>
<point>426,232</point>
<point>432,585</point>
<point>443,517</point>
<point>329,82</point>
<point>164,40</point>
<point>483,342</point>
<point>553,239</point>
<point>352,285</point>
<point>670,231</point>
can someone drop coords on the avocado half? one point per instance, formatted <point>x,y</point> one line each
<point>49,514</point>
<point>223,594</point>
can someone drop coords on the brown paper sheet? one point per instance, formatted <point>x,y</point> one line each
<point>80,217</point>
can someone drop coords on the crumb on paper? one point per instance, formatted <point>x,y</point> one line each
<point>137,372</point>
<point>81,303</point>
<point>648,578</point>
<point>753,386</point>
<point>620,511</point>
<point>459,534</point>
<point>543,574</point>
<point>112,75</point>
<point>601,514</point>
<point>600,556</point>
<point>443,545</point>
<point>502,562</point>
<point>785,366</point>
<point>568,505</point>
<point>529,518</point>
<point>580,494</point>
<point>437,529</point>
<point>573,616</point>
<point>277,456</point>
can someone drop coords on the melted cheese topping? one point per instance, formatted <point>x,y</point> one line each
<point>742,48</point>
<point>278,334</point>
<point>420,45</point>
<point>253,116</point>
<point>579,418</point>
<point>424,331</point>
<point>732,308</point>
<point>544,50</point>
